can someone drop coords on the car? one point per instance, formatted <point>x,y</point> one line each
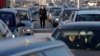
<point>26,18</point>
<point>55,17</point>
<point>92,4</point>
<point>31,46</point>
<point>79,35</point>
<point>11,19</point>
<point>4,31</point>
<point>89,16</point>
<point>50,10</point>
<point>66,13</point>
<point>84,15</point>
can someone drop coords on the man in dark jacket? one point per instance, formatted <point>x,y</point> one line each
<point>43,16</point>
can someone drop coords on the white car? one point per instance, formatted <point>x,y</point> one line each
<point>92,3</point>
<point>84,15</point>
<point>4,31</point>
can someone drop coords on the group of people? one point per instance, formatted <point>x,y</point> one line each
<point>43,16</point>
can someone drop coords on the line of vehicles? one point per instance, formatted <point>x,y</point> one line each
<point>16,23</point>
<point>78,29</point>
<point>20,21</point>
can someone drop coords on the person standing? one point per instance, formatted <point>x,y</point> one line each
<point>43,16</point>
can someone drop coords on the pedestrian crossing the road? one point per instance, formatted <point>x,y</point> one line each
<point>48,26</point>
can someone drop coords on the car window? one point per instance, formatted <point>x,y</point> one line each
<point>8,18</point>
<point>72,34</point>
<point>23,15</point>
<point>68,12</point>
<point>88,17</point>
<point>72,16</point>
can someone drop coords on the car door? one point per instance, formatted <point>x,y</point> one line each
<point>4,31</point>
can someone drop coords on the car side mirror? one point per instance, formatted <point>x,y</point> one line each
<point>21,25</point>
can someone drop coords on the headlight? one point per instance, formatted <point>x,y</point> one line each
<point>57,19</point>
<point>13,36</point>
<point>26,29</point>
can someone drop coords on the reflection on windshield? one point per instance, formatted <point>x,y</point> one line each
<point>88,17</point>
<point>68,12</point>
<point>56,13</point>
<point>23,15</point>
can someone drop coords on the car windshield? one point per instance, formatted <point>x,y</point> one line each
<point>23,15</point>
<point>53,9</point>
<point>56,13</point>
<point>88,17</point>
<point>8,18</point>
<point>68,12</point>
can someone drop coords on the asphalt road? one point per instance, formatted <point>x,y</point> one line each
<point>48,31</point>
<point>48,26</point>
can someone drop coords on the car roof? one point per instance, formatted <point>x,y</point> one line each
<point>31,48</point>
<point>8,10</point>
<point>18,41</point>
<point>25,9</point>
<point>88,12</point>
<point>90,25</point>
<point>76,9</point>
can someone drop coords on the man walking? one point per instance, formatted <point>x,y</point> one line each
<point>43,16</point>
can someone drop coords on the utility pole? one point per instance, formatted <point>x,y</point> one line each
<point>12,3</point>
<point>52,1</point>
<point>79,4</point>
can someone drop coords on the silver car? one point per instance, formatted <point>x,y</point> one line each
<point>29,46</point>
<point>4,31</point>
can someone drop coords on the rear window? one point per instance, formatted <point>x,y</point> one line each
<point>23,15</point>
<point>88,17</point>
<point>8,18</point>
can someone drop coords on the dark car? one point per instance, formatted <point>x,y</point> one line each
<point>25,17</point>
<point>11,18</point>
<point>79,34</point>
